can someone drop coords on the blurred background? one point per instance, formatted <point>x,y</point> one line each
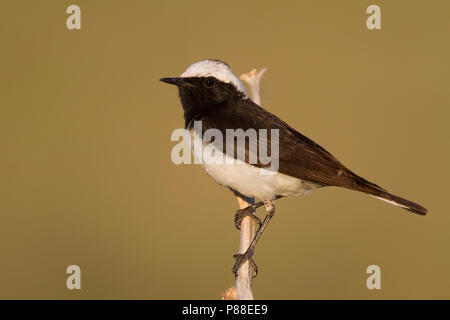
<point>85,170</point>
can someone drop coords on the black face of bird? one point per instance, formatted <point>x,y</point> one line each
<point>201,93</point>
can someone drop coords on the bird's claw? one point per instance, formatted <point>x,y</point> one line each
<point>241,214</point>
<point>241,258</point>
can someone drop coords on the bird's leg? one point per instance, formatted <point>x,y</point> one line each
<point>248,211</point>
<point>248,254</point>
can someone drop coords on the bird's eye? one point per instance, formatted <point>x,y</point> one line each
<point>210,82</point>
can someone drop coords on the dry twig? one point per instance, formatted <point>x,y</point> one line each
<point>243,289</point>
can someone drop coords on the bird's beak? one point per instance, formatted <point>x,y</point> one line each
<point>174,81</point>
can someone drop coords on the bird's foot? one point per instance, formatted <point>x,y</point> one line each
<point>242,213</point>
<point>241,258</point>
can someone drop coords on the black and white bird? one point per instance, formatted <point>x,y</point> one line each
<point>211,93</point>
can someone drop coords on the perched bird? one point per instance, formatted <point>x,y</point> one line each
<point>211,93</point>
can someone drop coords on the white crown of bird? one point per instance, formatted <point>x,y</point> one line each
<point>217,69</point>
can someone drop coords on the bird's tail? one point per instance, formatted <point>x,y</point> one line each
<point>381,194</point>
<point>403,203</point>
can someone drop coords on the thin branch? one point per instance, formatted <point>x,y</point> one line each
<point>247,233</point>
<point>243,289</point>
<point>253,78</point>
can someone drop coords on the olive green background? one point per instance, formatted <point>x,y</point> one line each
<point>86,176</point>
